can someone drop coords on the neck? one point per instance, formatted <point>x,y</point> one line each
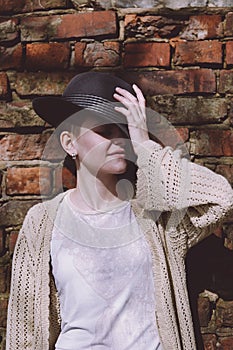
<point>95,193</point>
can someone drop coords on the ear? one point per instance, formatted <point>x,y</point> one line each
<point>68,143</point>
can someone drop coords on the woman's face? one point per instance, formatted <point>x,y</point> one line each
<point>101,147</point>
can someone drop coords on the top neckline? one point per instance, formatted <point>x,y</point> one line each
<point>120,207</point>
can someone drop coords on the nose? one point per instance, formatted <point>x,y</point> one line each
<point>119,136</point>
<point>119,141</point>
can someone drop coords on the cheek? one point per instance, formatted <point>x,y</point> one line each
<point>89,150</point>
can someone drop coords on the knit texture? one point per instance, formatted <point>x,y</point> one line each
<point>176,205</point>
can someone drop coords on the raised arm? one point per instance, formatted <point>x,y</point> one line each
<point>166,181</point>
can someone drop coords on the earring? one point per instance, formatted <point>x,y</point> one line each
<point>73,156</point>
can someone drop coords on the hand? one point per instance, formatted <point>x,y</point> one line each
<point>135,113</point>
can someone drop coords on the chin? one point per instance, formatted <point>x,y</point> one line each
<point>117,167</point>
<point>119,172</point>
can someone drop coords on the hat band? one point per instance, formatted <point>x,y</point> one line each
<point>96,104</point>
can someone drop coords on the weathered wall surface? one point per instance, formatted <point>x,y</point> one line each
<point>179,52</point>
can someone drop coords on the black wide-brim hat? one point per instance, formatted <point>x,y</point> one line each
<point>90,90</point>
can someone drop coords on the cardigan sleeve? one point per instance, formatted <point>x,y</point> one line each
<point>20,321</point>
<point>28,311</point>
<point>167,182</point>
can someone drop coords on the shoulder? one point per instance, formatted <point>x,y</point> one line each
<point>43,210</point>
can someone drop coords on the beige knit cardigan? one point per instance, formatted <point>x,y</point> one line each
<point>177,203</point>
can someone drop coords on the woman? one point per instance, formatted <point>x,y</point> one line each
<point>93,269</point>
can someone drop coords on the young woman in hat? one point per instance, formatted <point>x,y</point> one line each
<point>94,270</point>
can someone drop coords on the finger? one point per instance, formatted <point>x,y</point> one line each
<point>140,97</point>
<point>139,93</point>
<point>129,113</point>
<point>132,117</point>
<point>126,94</point>
<point>130,101</point>
<point>122,110</point>
<point>133,106</point>
<point>127,99</point>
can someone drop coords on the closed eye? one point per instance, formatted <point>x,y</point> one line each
<point>103,131</point>
<point>109,131</point>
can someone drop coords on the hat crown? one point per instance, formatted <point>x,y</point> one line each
<point>90,90</point>
<point>96,84</point>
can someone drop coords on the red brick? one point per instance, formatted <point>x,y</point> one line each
<point>18,113</point>
<point>36,180</point>
<point>69,26</point>
<point>210,341</point>
<point>225,170</point>
<point>11,57</point>
<point>64,178</point>
<point>147,54</point>
<point>12,6</point>
<point>191,110</point>
<point>218,231</point>
<point>35,28</point>
<point>228,239</point>
<point>201,52</point>
<point>41,83</point>
<point>226,82</point>
<point>204,311</point>
<point>170,136</point>
<point>131,18</point>
<point>174,82</point>
<point>229,52</point>
<point>4,278</point>
<point>199,110</point>
<point>2,241</point>
<point>213,142</point>
<point>8,29</point>
<point>79,53</point>
<point>152,26</point>
<point>33,5</point>
<point>53,151</point>
<point>183,133</point>
<point>4,86</point>
<point>47,56</point>
<point>1,176</point>
<point>7,6</point>
<point>3,312</point>
<point>224,313</point>
<point>203,27</point>
<point>90,24</point>
<point>12,241</point>
<point>197,27</point>
<point>230,113</point>
<point>229,24</point>
<point>97,54</point>
<point>13,212</point>
<point>22,147</point>
<point>226,343</point>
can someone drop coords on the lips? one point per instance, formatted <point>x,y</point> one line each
<point>118,153</point>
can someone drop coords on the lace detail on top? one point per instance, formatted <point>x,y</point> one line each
<point>106,294</point>
<point>109,229</point>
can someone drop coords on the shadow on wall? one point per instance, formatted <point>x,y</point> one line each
<point>208,268</point>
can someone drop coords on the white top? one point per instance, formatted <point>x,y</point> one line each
<point>104,281</point>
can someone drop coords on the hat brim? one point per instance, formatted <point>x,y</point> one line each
<point>54,110</point>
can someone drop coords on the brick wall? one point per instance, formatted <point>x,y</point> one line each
<point>183,61</point>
